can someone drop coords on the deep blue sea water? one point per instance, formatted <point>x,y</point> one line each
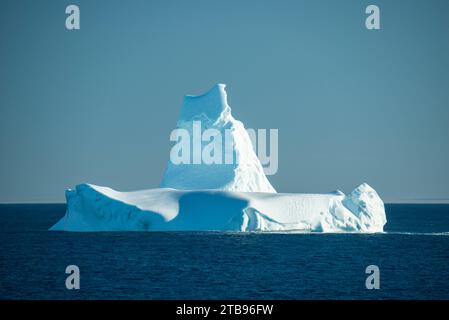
<point>413,257</point>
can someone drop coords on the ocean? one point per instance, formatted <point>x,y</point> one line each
<point>412,256</point>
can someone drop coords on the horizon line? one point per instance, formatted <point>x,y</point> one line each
<point>400,201</point>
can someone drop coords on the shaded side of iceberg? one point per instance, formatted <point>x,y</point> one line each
<point>94,208</point>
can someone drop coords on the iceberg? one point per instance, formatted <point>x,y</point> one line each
<point>219,196</point>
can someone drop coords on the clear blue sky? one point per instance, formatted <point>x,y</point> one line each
<point>97,105</point>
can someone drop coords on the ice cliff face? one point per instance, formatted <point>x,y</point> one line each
<point>243,173</point>
<point>95,208</point>
<point>367,206</point>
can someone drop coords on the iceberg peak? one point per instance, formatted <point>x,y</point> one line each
<point>211,105</point>
<point>206,113</point>
<point>365,187</point>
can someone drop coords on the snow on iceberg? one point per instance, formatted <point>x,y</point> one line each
<point>94,208</point>
<point>222,197</point>
<point>244,173</point>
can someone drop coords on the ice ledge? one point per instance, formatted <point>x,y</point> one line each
<point>95,208</point>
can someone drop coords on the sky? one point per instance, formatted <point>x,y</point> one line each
<point>352,105</point>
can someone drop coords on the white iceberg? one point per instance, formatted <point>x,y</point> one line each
<point>221,197</point>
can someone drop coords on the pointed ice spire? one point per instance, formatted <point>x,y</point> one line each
<point>211,104</point>
<point>245,173</point>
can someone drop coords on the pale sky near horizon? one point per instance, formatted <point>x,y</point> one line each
<point>97,105</point>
